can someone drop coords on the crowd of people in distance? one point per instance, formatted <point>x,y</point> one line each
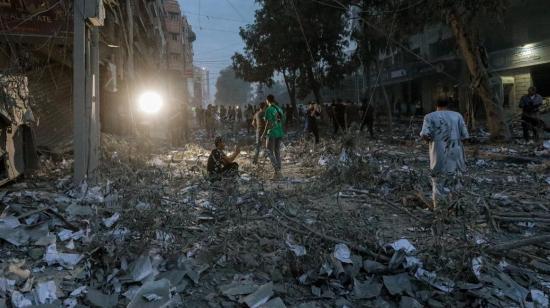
<point>444,130</point>
<point>338,113</point>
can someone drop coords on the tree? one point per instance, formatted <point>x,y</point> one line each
<point>230,90</point>
<point>463,18</point>
<point>303,41</point>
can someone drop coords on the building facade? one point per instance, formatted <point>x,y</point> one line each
<point>144,45</point>
<point>518,53</point>
<point>201,78</point>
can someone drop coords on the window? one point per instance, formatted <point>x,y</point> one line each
<point>174,36</point>
<point>175,56</point>
<point>541,79</point>
<point>174,16</point>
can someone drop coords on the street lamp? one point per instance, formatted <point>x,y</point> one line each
<point>150,102</point>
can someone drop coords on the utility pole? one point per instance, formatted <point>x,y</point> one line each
<point>87,16</point>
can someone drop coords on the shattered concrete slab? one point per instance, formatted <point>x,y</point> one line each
<point>260,296</point>
<point>218,247</point>
<point>366,290</point>
<point>153,294</point>
<point>398,284</point>
<point>100,299</point>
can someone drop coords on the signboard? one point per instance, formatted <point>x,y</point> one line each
<point>398,73</point>
<point>526,55</point>
<point>414,70</point>
<point>35,17</point>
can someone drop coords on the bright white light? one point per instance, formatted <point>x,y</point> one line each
<point>150,102</point>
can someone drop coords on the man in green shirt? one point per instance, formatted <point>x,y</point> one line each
<point>275,119</point>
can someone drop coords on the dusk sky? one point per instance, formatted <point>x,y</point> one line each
<point>216,23</point>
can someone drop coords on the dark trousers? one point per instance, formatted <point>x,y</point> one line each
<point>258,144</point>
<point>312,128</point>
<point>530,123</point>
<point>339,121</point>
<point>274,152</point>
<point>229,171</point>
<point>369,122</point>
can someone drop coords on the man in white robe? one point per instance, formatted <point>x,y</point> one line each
<point>445,130</point>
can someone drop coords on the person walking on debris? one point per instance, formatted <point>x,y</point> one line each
<point>339,116</point>
<point>289,112</point>
<point>530,119</point>
<point>274,118</point>
<point>367,117</point>
<point>239,114</point>
<point>258,123</point>
<point>312,114</point>
<point>249,117</point>
<point>220,165</point>
<point>209,118</point>
<point>445,130</point>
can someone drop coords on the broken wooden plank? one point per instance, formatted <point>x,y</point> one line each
<point>520,243</point>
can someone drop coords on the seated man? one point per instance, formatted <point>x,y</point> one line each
<point>220,165</point>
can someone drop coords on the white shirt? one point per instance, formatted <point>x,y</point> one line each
<point>446,130</point>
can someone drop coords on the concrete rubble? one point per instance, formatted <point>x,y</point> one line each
<point>348,226</point>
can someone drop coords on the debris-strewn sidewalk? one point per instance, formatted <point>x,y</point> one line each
<point>349,225</point>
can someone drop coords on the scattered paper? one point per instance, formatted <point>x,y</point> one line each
<point>403,244</point>
<point>45,292</point>
<point>109,222</point>
<point>298,250</point>
<point>476,266</point>
<point>67,260</point>
<point>18,300</point>
<point>342,253</point>
<point>539,298</point>
<point>431,278</point>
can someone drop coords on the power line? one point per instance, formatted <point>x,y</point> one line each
<point>327,4</point>
<point>399,44</point>
<point>235,9</point>
<point>218,30</point>
<point>209,52</point>
<point>303,32</point>
<point>378,13</point>
<point>211,62</point>
<point>212,17</point>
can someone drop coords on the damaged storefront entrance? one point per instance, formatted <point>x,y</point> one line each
<point>18,152</point>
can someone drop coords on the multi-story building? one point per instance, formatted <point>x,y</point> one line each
<point>144,45</point>
<point>180,38</point>
<point>518,51</point>
<point>201,86</point>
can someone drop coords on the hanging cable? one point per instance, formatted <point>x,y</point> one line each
<point>236,11</point>
<point>397,43</point>
<point>303,32</point>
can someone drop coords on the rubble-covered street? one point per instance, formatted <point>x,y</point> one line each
<point>349,225</point>
<point>274,153</point>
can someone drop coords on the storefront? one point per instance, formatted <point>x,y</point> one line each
<point>516,69</point>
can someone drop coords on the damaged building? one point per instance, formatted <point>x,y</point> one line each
<point>142,44</point>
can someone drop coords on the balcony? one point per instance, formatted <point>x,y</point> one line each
<point>174,46</point>
<point>174,26</point>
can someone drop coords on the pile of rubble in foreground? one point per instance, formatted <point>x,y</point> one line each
<point>349,226</point>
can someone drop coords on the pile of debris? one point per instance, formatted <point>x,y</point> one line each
<point>349,226</point>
